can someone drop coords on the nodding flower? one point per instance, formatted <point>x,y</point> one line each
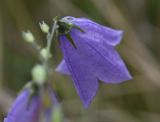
<point>90,56</point>
<point>26,108</point>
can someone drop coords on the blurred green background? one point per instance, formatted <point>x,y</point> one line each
<point>137,100</point>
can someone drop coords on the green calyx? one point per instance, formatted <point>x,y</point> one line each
<point>64,28</point>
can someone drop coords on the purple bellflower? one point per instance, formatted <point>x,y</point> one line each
<point>25,108</point>
<point>92,57</point>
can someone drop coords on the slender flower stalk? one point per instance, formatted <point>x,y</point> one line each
<point>27,106</point>
<point>50,36</point>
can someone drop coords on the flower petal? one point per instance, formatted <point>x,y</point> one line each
<point>21,112</point>
<point>97,32</point>
<point>62,68</point>
<point>84,80</point>
<point>108,65</point>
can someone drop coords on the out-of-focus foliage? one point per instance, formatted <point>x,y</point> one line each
<point>134,101</point>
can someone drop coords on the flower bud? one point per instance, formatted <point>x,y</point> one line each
<point>44,27</point>
<point>39,74</point>
<point>28,37</point>
<point>45,54</point>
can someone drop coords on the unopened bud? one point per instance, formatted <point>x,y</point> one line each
<point>39,74</point>
<point>44,27</point>
<point>45,53</point>
<point>28,36</point>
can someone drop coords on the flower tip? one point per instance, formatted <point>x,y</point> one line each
<point>121,33</point>
<point>87,103</point>
<point>130,77</point>
<point>8,120</point>
<point>62,68</point>
<point>118,36</point>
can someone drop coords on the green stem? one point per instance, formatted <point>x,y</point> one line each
<point>51,35</point>
<point>36,46</point>
<point>48,47</point>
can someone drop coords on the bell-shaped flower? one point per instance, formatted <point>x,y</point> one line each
<point>93,57</point>
<point>25,108</point>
